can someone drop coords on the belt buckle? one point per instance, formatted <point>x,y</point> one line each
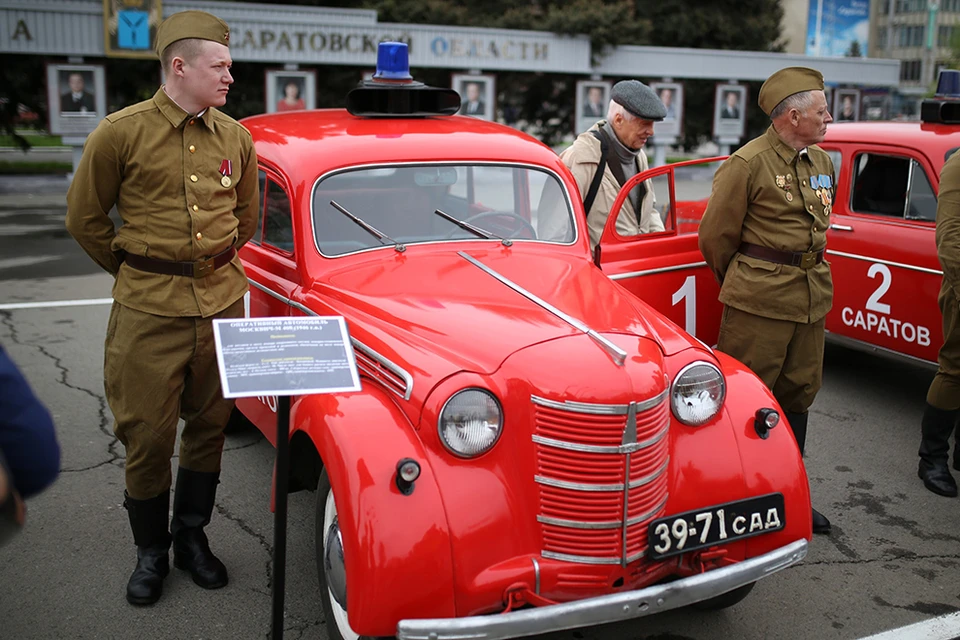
<point>808,260</point>
<point>202,268</point>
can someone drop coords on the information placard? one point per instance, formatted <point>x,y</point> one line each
<point>285,356</point>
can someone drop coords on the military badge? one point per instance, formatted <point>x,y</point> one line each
<point>226,169</point>
<point>781,182</point>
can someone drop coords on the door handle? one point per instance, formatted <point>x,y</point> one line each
<point>841,227</point>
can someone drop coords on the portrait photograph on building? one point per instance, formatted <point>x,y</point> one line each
<point>846,107</point>
<point>476,94</point>
<point>290,90</point>
<point>729,117</point>
<point>593,97</point>
<point>671,95</point>
<point>76,98</point>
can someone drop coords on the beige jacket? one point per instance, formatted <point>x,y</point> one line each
<point>583,157</point>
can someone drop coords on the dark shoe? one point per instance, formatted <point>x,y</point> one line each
<point>820,523</point>
<point>937,478</point>
<point>935,429</point>
<point>148,520</point>
<point>798,425</point>
<point>192,508</point>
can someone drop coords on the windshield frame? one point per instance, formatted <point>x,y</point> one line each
<point>427,163</point>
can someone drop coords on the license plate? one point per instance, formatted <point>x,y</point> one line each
<point>719,524</point>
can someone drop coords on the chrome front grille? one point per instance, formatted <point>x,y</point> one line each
<point>602,475</point>
<point>379,368</point>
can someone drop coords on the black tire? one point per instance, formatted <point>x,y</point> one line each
<point>334,616</point>
<point>726,600</point>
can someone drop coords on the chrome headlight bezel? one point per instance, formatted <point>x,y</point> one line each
<point>442,418</point>
<point>677,410</point>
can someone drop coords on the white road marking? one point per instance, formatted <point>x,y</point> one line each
<point>55,303</point>
<point>25,261</point>
<point>942,628</point>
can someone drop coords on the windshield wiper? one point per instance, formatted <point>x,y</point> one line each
<point>369,228</point>
<point>477,231</point>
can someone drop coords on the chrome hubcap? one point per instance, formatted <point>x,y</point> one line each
<point>333,565</point>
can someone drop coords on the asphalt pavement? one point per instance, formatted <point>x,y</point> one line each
<point>892,560</point>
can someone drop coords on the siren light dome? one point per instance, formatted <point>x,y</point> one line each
<point>948,84</point>
<point>393,61</point>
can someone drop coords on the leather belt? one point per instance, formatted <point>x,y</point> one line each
<point>802,259</point>
<point>197,269</point>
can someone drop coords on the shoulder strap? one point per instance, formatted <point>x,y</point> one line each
<point>598,176</point>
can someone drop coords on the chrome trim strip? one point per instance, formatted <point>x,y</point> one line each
<point>866,347</point>
<point>596,448</point>
<point>910,267</point>
<point>646,516</point>
<point>563,557</point>
<point>615,607</point>
<point>359,346</point>
<point>407,378</point>
<point>579,524</point>
<point>626,504</point>
<point>619,355</point>
<point>636,556</point>
<point>577,486</point>
<point>600,409</point>
<point>536,572</point>
<point>639,482</point>
<point>650,272</point>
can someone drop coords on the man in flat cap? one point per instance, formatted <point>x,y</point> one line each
<point>183,177</point>
<point>603,158</point>
<point>763,234</point>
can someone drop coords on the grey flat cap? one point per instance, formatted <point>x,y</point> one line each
<point>638,99</point>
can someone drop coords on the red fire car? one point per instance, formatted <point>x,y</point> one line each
<point>534,448</point>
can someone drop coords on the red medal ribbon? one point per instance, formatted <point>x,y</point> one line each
<point>226,168</point>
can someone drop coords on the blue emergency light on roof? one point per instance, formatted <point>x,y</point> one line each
<point>944,107</point>
<point>393,93</point>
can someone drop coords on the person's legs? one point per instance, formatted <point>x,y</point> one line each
<point>205,412</point>
<point>943,405</point>
<point>144,362</point>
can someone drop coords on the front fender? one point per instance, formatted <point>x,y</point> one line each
<point>391,542</point>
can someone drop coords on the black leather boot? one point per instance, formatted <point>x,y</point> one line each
<point>798,424</point>
<point>148,520</point>
<point>192,508</point>
<point>935,430</point>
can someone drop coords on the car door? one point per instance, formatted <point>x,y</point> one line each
<point>666,269</point>
<point>271,267</point>
<point>882,250</point>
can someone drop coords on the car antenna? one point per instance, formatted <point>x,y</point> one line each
<point>369,228</point>
<point>477,231</point>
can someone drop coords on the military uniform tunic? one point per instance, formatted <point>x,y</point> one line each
<point>769,194</point>
<point>161,168</point>
<point>944,392</point>
<point>186,189</point>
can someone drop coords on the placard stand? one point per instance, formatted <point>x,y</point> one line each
<point>281,486</point>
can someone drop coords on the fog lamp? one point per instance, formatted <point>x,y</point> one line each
<point>766,420</point>
<point>408,470</point>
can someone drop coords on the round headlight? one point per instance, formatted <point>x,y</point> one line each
<point>697,393</point>
<point>470,422</point>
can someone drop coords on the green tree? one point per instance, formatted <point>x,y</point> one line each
<point>854,51</point>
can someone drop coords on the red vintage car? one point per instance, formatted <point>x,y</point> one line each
<point>534,448</point>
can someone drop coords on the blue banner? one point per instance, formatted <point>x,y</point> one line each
<point>838,28</point>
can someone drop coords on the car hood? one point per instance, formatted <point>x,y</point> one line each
<point>435,312</point>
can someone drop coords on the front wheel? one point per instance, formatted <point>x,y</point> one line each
<point>725,600</point>
<point>331,569</point>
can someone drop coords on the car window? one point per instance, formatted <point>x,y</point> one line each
<point>923,202</point>
<point>880,184</point>
<point>400,203</point>
<point>258,234</point>
<point>278,225</point>
<point>837,158</point>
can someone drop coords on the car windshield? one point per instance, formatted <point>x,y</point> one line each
<point>400,202</point>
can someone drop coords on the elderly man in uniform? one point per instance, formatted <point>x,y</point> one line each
<point>943,397</point>
<point>763,235</point>
<point>183,177</point>
<point>615,147</point>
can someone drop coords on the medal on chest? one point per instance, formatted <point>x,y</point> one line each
<point>823,187</point>
<point>784,182</point>
<point>226,170</point>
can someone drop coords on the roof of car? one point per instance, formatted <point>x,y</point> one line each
<point>307,144</point>
<point>933,139</point>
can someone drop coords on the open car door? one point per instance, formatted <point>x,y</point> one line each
<point>666,269</point>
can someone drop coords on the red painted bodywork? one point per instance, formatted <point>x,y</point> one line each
<point>471,526</point>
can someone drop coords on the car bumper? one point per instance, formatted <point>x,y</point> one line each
<point>612,608</point>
